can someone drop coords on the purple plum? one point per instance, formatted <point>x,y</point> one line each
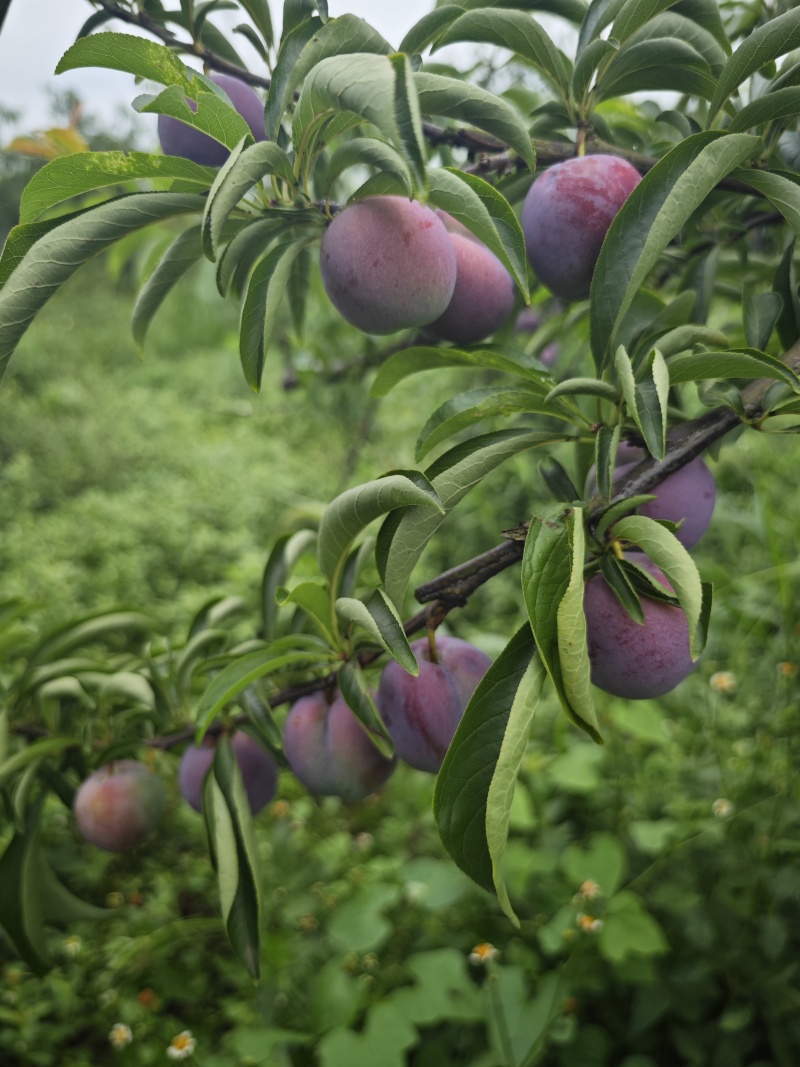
<point>118,805</point>
<point>179,139</point>
<point>258,768</point>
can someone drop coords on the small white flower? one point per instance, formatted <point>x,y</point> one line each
<point>724,682</point>
<point>182,1046</point>
<point>590,890</point>
<point>589,924</point>
<point>72,945</point>
<point>722,808</point>
<point>483,953</point>
<point>120,1035</point>
<point>108,997</point>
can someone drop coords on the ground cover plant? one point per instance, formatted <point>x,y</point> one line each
<point>673,299</point>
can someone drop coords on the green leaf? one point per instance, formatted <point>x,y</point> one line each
<point>315,600</point>
<point>306,47</point>
<point>599,14</point>
<point>486,213</point>
<point>664,63</point>
<point>783,103</point>
<point>261,304</point>
<point>418,358</point>
<point>59,253</point>
<point>652,397</point>
<point>367,151</point>
<point>183,253</point>
<point>592,57</point>
<point>237,676</point>
<point>650,218</point>
<point>245,168</point>
<point>133,55</point>
<point>683,337</point>
<point>34,753</point>
<point>215,114</point>
<point>633,14</point>
<point>706,14</point>
<point>548,570</point>
<point>361,701</point>
<point>760,313</point>
<point>429,27</point>
<point>347,515</point>
<point>81,172</point>
<point>259,12</point>
<point>515,31</point>
<point>453,98</point>
<point>668,554</point>
<point>90,630</point>
<point>782,191</point>
<point>616,511</point>
<point>475,786</point>
<point>284,554</point>
<point>235,848</point>
<point>615,574</point>
<point>733,363</point>
<point>246,248</point>
<point>406,532</point>
<point>467,409</point>
<point>585,387</point>
<point>571,632</point>
<point>775,38</point>
<point>379,618</point>
<point>22,238</point>
<point>786,287</point>
<point>21,913</point>
<point>605,458</point>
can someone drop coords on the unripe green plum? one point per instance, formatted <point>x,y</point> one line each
<point>330,752</point>
<point>388,264</point>
<point>566,216</point>
<point>631,659</point>
<point>118,805</point>
<point>258,768</point>
<point>483,297</point>
<point>179,139</point>
<point>422,713</point>
<point>687,496</point>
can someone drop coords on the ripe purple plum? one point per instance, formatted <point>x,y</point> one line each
<point>179,139</point>
<point>566,216</point>
<point>330,752</point>
<point>258,768</point>
<point>631,659</point>
<point>687,496</point>
<point>118,805</point>
<point>388,264</point>
<point>483,297</point>
<point>422,713</point>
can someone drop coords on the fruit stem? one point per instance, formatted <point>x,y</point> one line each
<point>434,656</point>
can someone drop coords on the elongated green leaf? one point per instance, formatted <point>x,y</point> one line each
<point>237,676</point>
<point>650,218</point>
<point>453,98</point>
<point>571,10</point>
<point>235,849</point>
<point>246,248</point>
<point>21,912</point>
<point>786,287</point>
<point>760,313</point>
<point>34,753</point>
<point>134,55</point>
<point>467,409</point>
<point>280,90</point>
<point>783,103</point>
<point>515,31</point>
<point>605,458</point>
<point>21,240</point>
<point>408,120</point>
<point>68,176</point>
<point>663,63</point>
<point>585,387</point>
<point>683,337</point>
<point>547,577</point>
<point>284,554</point>
<point>404,534</point>
<point>242,171</point>
<point>369,151</point>
<point>429,27</point>
<point>707,14</point>
<point>214,114</point>
<point>775,38</point>
<point>676,25</point>
<point>93,629</point>
<point>635,13</point>
<point>616,511</point>
<point>666,551</point>
<point>475,786</point>
<point>421,358</point>
<point>485,212</point>
<point>782,191</point>
<point>184,252</point>
<point>599,14</point>
<point>260,307</point>
<point>652,395</point>
<point>361,701</point>
<point>573,652</point>
<point>347,515</point>
<point>378,617</point>
<point>59,253</point>
<point>733,363</point>
<point>590,59</point>
<point>315,600</point>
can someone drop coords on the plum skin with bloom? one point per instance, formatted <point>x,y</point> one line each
<point>566,215</point>
<point>423,713</point>
<point>635,660</point>
<point>179,139</point>
<point>388,264</point>
<point>118,805</point>
<point>330,752</point>
<point>687,496</point>
<point>258,769</point>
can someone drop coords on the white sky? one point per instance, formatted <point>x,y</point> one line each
<point>37,32</point>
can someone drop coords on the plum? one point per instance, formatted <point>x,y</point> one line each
<point>329,750</point>
<point>179,139</point>
<point>566,215</point>
<point>118,805</point>
<point>483,297</point>
<point>388,264</point>
<point>631,659</point>
<point>422,713</point>
<point>687,496</point>
<point>258,768</point>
